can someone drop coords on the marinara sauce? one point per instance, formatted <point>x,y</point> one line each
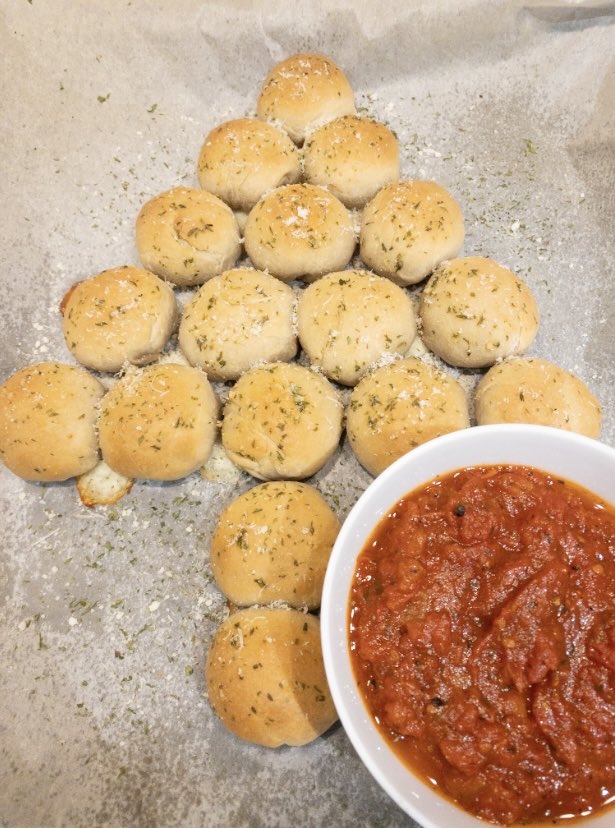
<point>482,625</point>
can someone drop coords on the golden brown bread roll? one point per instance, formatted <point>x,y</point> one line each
<point>302,92</point>
<point>474,312</point>
<point>187,236</point>
<point>281,421</point>
<point>158,423</point>
<point>299,232</point>
<point>350,320</point>
<point>266,678</point>
<point>272,543</point>
<point>48,414</point>
<point>101,486</point>
<point>408,228</point>
<point>398,407</point>
<point>353,157</point>
<point>125,314</point>
<point>241,160</point>
<point>237,320</point>
<point>539,392</point>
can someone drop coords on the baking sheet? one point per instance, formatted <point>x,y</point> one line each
<point>106,614</point>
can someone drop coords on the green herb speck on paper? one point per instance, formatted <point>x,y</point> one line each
<point>152,108</point>
<point>530,147</point>
<point>103,98</point>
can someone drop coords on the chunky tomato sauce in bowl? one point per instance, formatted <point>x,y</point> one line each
<point>468,626</point>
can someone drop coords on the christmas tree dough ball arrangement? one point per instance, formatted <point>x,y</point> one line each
<point>282,421</point>
<point>122,315</point>
<point>159,422</point>
<point>303,92</point>
<point>187,236</point>
<point>272,543</point>
<point>398,407</point>
<point>474,312</point>
<point>409,228</point>
<point>243,159</point>
<point>237,320</point>
<point>299,232</point>
<point>350,320</point>
<point>48,415</point>
<point>537,391</point>
<point>304,181</point>
<point>266,679</point>
<point>353,157</point>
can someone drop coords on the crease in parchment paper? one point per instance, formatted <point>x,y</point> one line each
<point>560,11</point>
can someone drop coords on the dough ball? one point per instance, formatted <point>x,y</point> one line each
<point>303,92</point>
<point>474,312</point>
<point>266,678</point>
<point>400,406</point>
<point>48,415</point>
<point>187,236</point>
<point>351,319</point>
<point>281,421</point>
<point>272,543</point>
<point>122,315</point>
<point>299,232</point>
<point>242,160</point>
<point>236,320</point>
<point>353,157</point>
<point>536,391</point>
<point>101,486</point>
<point>408,228</point>
<point>158,423</point>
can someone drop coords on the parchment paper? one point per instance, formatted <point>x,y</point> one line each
<point>106,614</point>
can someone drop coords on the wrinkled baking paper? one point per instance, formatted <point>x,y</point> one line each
<point>106,613</point>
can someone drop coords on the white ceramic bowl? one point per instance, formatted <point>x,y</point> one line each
<point>587,462</point>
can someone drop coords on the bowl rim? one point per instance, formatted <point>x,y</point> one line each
<point>489,442</point>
